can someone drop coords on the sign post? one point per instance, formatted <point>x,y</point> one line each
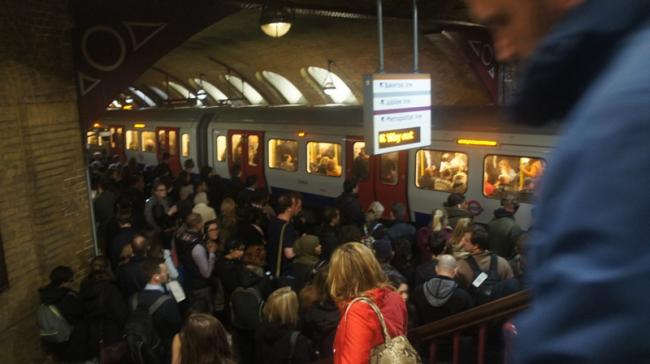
<point>397,111</point>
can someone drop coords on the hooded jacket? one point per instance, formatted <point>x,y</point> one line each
<point>319,325</point>
<point>438,298</point>
<point>360,330</point>
<point>504,233</point>
<point>592,71</point>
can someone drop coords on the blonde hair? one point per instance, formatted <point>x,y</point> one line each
<point>353,271</point>
<point>282,307</point>
<point>454,245</point>
<point>228,210</point>
<point>439,220</point>
<point>463,226</point>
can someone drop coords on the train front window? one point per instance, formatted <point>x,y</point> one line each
<point>443,171</point>
<point>361,162</point>
<point>185,142</point>
<point>324,159</point>
<point>171,142</point>
<point>221,148</point>
<point>511,174</point>
<point>254,152</point>
<point>149,141</point>
<point>283,154</point>
<point>388,171</point>
<point>237,148</point>
<point>133,140</point>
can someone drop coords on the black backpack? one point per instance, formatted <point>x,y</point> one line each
<point>489,289</point>
<point>141,336</point>
<point>246,307</point>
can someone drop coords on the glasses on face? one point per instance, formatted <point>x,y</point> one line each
<point>212,230</point>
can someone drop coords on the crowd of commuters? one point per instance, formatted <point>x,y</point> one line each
<point>268,285</point>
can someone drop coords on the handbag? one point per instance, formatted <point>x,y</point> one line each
<point>396,350</point>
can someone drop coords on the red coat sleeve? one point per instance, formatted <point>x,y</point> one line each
<point>358,335</point>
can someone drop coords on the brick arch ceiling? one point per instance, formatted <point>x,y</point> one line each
<point>237,42</point>
<point>117,41</point>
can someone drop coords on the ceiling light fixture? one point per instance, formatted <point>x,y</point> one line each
<point>276,19</point>
<point>328,83</point>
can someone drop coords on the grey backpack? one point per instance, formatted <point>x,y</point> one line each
<point>53,326</point>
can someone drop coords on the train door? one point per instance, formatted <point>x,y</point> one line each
<point>391,171</point>
<point>359,165</point>
<point>247,150</point>
<point>117,140</point>
<point>168,142</point>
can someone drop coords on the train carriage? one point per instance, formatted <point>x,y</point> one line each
<point>312,150</point>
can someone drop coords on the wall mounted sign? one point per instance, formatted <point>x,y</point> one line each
<point>397,111</point>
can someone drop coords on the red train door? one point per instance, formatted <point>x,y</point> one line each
<point>117,140</point>
<point>168,142</point>
<point>360,166</point>
<point>391,179</point>
<point>246,148</point>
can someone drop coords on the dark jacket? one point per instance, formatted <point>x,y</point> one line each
<point>130,277</point>
<point>425,272</point>
<point>273,344</point>
<point>350,209</point>
<point>107,310</point>
<point>185,243</point>
<point>454,214</point>
<point>401,230</point>
<point>72,308</point>
<point>438,298</point>
<point>329,239</point>
<point>504,233</point>
<point>123,237</point>
<point>593,70</point>
<point>166,320</point>
<point>319,325</point>
<point>230,272</point>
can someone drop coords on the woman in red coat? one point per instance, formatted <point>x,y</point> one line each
<point>354,271</point>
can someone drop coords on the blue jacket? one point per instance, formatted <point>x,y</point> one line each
<point>589,254</point>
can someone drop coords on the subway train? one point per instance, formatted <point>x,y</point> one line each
<point>313,149</point>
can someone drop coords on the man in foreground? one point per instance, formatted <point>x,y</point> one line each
<point>590,72</point>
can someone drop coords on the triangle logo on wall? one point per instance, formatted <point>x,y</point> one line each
<point>141,32</point>
<point>86,83</point>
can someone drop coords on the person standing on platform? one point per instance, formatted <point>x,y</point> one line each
<point>588,68</point>
<point>349,206</point>
<point>282,234</point>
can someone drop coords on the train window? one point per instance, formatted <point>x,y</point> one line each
<point>237,149</point>
<point>389,168</point>
<point>283,154</point>
<point>92,138</point>
<point>254,152</point>
<point>324,159</point>
<point>361,163</point>
<point>504,173</point>
<point>132,140</point>
<point>221,148</point>
<point>171,141</point>
<point>162,140</point>
<point>442,171</point>
<point>148,141</point>
<point>185,141</point>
